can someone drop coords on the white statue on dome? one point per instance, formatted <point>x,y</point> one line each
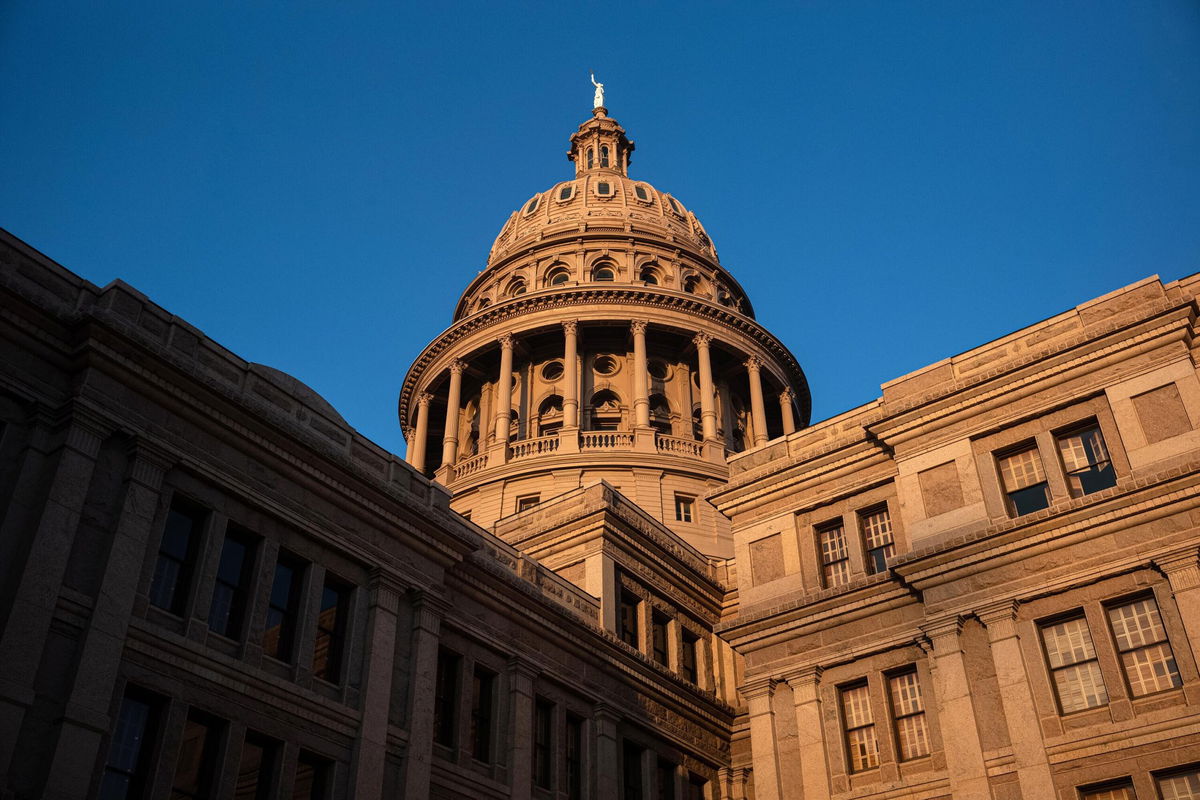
<point>599,99</point>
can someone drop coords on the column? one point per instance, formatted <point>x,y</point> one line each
<point>753,367</point>
<point>86,717</point>
<point>1183,573</point>
<point>641,391</point>
<point>503,401</point>
<point>370,750</point>
<point>608,752</point>
<point>570,374</point>
<point>733,783</point>
<point>708,409</point>
<point>956,712</point>
<point>417,457</point>
<point>520,762</point>
<point>453,401</point>
<point>759,693</point>
<point>785,409</point>
<point>1024,726</point>
<point>810,733</point>
<point>427,620</point>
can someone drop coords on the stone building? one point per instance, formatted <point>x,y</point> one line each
<point>617,562</point>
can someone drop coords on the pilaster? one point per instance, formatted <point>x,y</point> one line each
<point>810,733</point>
<point>956,711</point>
<point>1182,569</point>
<point>760,693</point>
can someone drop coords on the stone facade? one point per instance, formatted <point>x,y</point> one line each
<point>617,561</point>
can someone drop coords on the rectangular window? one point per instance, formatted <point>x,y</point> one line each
<point>876,526</point>
<point>197,757</point>
<point>1146,655</point>
<point>483,690</point>
<point>631,772</point>
<point>177,556</point>
<point>659,626</point>
<point>283,607</point>
<point>629,618</point>
<point>543,735</point>
<point>232,589</point>
<point>665,775</point>
<point>1086,461</point>
<point>908,710</point>
<point>1180,785</point>
<point>1073,665</point>
<point>313,776</point>
<point>835,556</point>
<point>129,752</point>
<point>697,788</point>
<point>687,657</point>
<point>574,757</point>
<point>862,750</point>
<point>256,770</point>
<point>445,698</point>
<point>684,507</point>
<point>1109,791</point>
<point>1025,486</point>
<point>331,630</point>
<point>527,502</point>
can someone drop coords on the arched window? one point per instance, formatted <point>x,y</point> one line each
<point>484,302</point>
<point>516,287</point>
<point>691,284</point>
<point>590,158</point>
<point>550,415</point>
<point>660,414</point>
<point>531,206</point>
<point>558,277</point>
<point>606,411</point>
<point>603,155</point>
<point>649,275</point>
<point>514,426</point>
<point>697,423</point>
<point>604,273</point>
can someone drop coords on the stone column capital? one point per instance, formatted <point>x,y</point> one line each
<point>803,676</point>
<point>408,431</point>
<point>457,366</point>
<point>1181,567</point>
<point>423,399</point>
<point>386,589</point>
<point>702,339</point>
<point>150,462</point>
<point>996,612</point>
<point>523,668</point>
<point>428,610</point>
<point>570,326</point>
<point>753,363</point>
<point>638,326</point>
<point>505,340</point>
<point>943,633</point>
<point>787,395</point>
<point>602,711</point>
<point>758,687</point>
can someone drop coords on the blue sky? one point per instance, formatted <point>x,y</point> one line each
<point>313,184</point>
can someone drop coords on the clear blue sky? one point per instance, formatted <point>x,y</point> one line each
<point>313,183</point>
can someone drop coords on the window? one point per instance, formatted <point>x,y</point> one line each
<point>659,625</point>
<point>862,750</point>
<point>1146,654</point>
<point>908,710</point>
<point>565,192</point>
<point>1073,665</point>
<point>313,775</point>
<point>543,730</point>
<point>604,188</point>
<point>331,630</point>
<point>1024,481</point>
<point>665,775</point>
<point>559,278</point>
<point>604,274</point>
<point>674,205</point>
<point>605,365</point>
<point>552,372</point>
<point>256,770</point>
<point>283,607</point>
<point>445,698</point>
<point>1179,786</point>
<point>128,761</point>
<point>516,288</point>
<point>527,502</point>
<point>835,556</point>
<point>629,618</point>
<point>641,193</point>
<point>574,757</point>
<point>483,690</point>
<point>232,588</point>
<point>691,284</point>
<point>197,757</point>
<point>649,276</point>
<point>531,206</point>
<point>687,658</point>
<point>1086,461</point>
<point>603,155</point>
<point>1109,791</point>
<point>697,788</point>
<point>660,371</point>
<point>684,507</point>
<point>631,772</point>
<point>590,158</point>
<point>176,556</point>
<point>876,527</point>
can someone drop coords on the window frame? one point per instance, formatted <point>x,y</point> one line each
<point>1077,613</point>
<point>1107,607</point>
<point>241,593</point>
<point>1000,457</point>
<point>1076,429</point>
<point>896,716</point>
<point>862,516</point>
<point>185,577</point>
<point>846,730</point>
<point>335,662</point>
<point>838,524</point>
<point>685,508</point>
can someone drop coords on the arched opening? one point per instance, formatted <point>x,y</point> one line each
<point>550,415</point>
<point>516,287</point>
<point>603,155</point>
<point>484,302</point>
<point>605,411</point>
<point>558,276</point>
<point>660,414</point>
<point>697,423</point>
<point>514,426</point>
<point>604,273</point>
<point>649,275</point>
<point>692,284</point>
<point>590,158</point>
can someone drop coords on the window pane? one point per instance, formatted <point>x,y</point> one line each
<point>129,752</point>
<point>1122,791</point>
<point>1183,786</point>
<point>256,771</point>
<point>863,749</point>
<point>283,607</point>
<point>482,691</point>
<point>1080,687</point>
<point>1068,642</point>
<point>1151,669</point>
<point>445,698</point>
<point>172,572</point>
<point>194,769</point>
<point>1022,469</point>
<point>1136,624</point>
<point>856,706</point>
<point>233,578</point>
<point>906,694</point>
<point>312,778</point>
<point>331,624</point>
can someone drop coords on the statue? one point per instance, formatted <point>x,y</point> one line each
<point>599,99</point>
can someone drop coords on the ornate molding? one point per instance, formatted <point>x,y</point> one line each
<point>943,633</point>
<point>753,364</point>
<point>757,687</point>
<point>787,395</point>
<point>702,340</point>
<point>1181,567</point>
<point>638,327</point>
<point>803,677</point>
<point>457,366</point>
<point>424,398</point>
<point>570,327</point>
<point>505,340</point>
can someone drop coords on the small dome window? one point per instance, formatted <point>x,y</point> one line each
<point>516,287</point>
<point>604,188</point>
<point>675,206</point>
<point>649,276</point>
<point>558,277</point>
<point>532,205</point>
<point>590,158</point>
<point>566,192</point>
<point>691,284</point>
<point>605,365</point>
<point>484,302</point>
<point>603,155</point>
<point>604,274</point>
<point>552,371</point>
<point>642,193</point>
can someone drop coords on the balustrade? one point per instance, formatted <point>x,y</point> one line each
<point>533,447</point>
<point>606,440</point>
<point>470,466</point>
<point>683,447</point>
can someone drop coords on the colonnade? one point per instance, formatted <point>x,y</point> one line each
<point>418,434</point>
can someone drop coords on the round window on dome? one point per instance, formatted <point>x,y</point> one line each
<point>642,193</point>
<point>605,365</point>
<point>552,371</point>
<point>566,193</point>
<point>531,206</point>
<point>674,206</point>
<point>604,188</point>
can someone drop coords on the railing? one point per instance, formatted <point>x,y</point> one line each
<point>683,447</point>
<point>469,467</point>
<point>605,440</point>
<point>533,447</point>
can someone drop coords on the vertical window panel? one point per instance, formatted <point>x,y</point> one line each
<point>908,709</point>
<point>313,776</point>
<point>331,630</point>
<point>574,757</point>
<point>629,618</point>
<point>128,762</point>
<point>483,687</point>
<point>445,698</point>
<point>877,538</point>
<point>835,556</point>
<point>256,770</point>
<point>176,556</point>
<point>1180,786</point>
<point>1118,791</point>
<point>195,767</point>
<point>1025,486</point>
<point>659,626</point>
<point>687,658</point>
<point>862,748</point>
<point>631,772</point>
<point>1146,655</point>
<point>1073,665</point>
<point>1086,461</point>
<point>283,608</point>
<point>232,587</point>
<point>543,744</point>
